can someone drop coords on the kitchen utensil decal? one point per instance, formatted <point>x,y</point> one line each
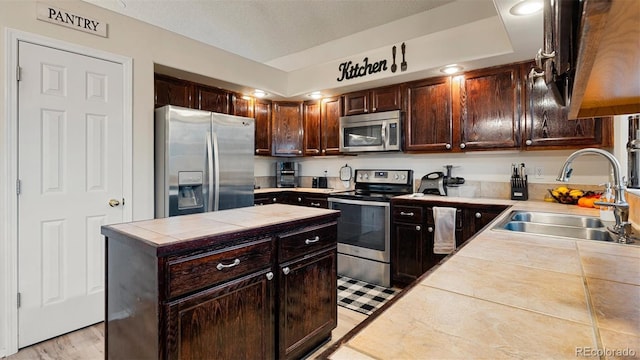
<point>403,66</point>
<point>393,66</point>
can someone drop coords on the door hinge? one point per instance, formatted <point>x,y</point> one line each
<point>18,187</point>
<point>18,73</point>
<point>18,300</point>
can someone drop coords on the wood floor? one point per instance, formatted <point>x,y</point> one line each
<point>88,343</point>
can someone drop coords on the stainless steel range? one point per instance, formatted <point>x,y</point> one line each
<point>364,234</point>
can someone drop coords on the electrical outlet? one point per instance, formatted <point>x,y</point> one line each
<point>539,172</point>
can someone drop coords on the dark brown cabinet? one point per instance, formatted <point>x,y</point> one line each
<point>240,309</point>
<point>330,113</point>
<point>547,125</point>
<point>287,125</point>
<point>429,123</point>
<point>242,105</point>
<point>487,108</point>
<point>172,91</point>
<point>262,115</point>
<point>312,128</point>
<point>261,293</point>
<point>292,198</point>
<point>375,100</point>
<point>211,99</point>
<point>412,234</point>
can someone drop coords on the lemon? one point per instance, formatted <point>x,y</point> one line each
<point>562,189</point>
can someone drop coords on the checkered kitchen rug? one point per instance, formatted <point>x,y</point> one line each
<point>361,296</point>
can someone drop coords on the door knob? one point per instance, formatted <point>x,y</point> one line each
<point>114,202</point>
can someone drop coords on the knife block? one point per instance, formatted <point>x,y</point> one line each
<point>519,189</point>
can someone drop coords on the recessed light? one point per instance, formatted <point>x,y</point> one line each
<point>526,7</point>
<point>315,95</point>
<point>259,93</point>
<point>451,69</point>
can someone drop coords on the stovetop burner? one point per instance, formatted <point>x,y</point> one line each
<point>379,185</point>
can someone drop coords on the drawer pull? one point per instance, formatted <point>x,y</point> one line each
<point>406,214</point>
<point>430,229</point>
<point>269,275</point>
<point>478,215</point>
<point>286,270</point>
<point>418,228</point>
<point>311,241</point>
<point>221,266</point>
<point>315,204</point>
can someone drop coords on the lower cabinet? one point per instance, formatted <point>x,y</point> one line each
<point>412,234</point>
<point>292,198</point>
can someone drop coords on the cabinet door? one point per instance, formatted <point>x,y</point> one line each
<point>475,218</point>
<point>212,99</point>
<point>308,303</point>
<point>356,103</point>
<point>429,125</point>
<point>406,252</point>
<point>262,114</point>
<point>231,321</point>
<point>489,109</point>
<point>386,98</point>
<point>288,129</point>
<point>547,125</point>
<point>172,91</point>
<point>312,128</point>
<point>331,112</point>
<point>241,105</point>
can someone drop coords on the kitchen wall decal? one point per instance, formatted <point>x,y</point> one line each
<point>58,16</point>
<point>403,65</point>
<point>349,70</point>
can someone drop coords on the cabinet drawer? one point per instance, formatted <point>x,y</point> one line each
<point>188,274</point>
<point>307,240</point>
<point>411,214</point>
<point>316,202</point>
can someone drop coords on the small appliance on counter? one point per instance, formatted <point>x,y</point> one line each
<point>436,182</point>
<point>519,184</point>
<point>287,174</point>
<point>322,181</point>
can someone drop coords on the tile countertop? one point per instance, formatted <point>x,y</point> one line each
<point>168,231</point>
<point>507,295</point>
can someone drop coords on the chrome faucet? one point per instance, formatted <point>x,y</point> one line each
<point>622,228</point>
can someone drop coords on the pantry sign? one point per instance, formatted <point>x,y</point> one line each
<point>56,15</point>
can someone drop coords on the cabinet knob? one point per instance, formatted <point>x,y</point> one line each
<point>447,146</point>
<point>286,270</point>
<point>528,142</point>
<point>299,151</point>
<point>274,199</point>
<point>299,199</point>
<point>478,215</point>
<point>418,228</point>
<point>430,229</point>
<point>311,241</point>
<point>269,275</point>
<point>463,145</point>
<point>257,151</point>
<point>315,204</point>
<point>317,151</point>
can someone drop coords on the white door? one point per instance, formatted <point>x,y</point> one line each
<point>70,153</point>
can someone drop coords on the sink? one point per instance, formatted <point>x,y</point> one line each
<point>559,230</point>
<point>553,224</point>
<point>557,219</point>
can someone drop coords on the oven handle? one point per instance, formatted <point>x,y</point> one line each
<point>357,202</point>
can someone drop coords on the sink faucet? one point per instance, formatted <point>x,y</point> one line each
<point>622,227</point>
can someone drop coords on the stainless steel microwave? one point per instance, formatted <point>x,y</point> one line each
<point>371,132</point>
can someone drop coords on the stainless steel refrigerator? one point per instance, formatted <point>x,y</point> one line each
<point>203,161</point>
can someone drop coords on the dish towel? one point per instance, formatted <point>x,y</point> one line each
<point>444,239</point>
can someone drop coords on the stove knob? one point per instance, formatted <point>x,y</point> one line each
<point>366,176</point>
<point>359,176</point>
<point>404,177</point>
<point>396,176</point>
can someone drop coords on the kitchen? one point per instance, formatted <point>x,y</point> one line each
<point>488,171</point>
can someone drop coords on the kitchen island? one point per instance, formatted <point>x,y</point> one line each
<point>511,295</point>
<point>255,282</point>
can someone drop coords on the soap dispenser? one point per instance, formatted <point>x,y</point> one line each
<point>606,212</point>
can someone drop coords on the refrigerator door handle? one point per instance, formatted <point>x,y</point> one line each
<point>216,172</point>
<point>209,172</point>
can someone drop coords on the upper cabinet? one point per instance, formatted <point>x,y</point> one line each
<point>330,113</point>
<point>212,99</point>
<point>242,105</point>
<point>262,115</point>
<point>375,100</point>
<point>288,129</point>
<point>546,122</point>
<point>428,125</point>
<point>487,108</point>
<point>312,128</point>
<point>172,91</point>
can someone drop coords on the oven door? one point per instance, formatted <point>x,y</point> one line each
<point>363,228</point>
